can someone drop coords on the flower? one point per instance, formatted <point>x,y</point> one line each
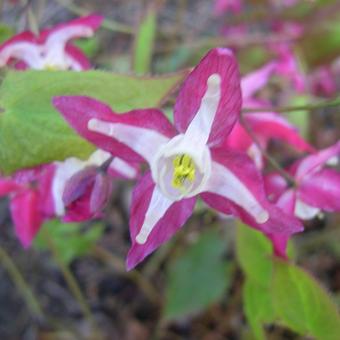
<point>316,189</point>
<point>186,160</point>
<point>264,125</point>
<point>222,6</point>
<point>54,190</point>
<point>30,200</point>
<point>52,48</point>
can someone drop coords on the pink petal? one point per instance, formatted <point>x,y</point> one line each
<point>256,80</point>
<point>238,139</point>
<point>101,192</point>
<point>7,186</point>
<point>246,208</point>
<point>221,62</point>
<point>78,111</point>
<point>275,186</point>
<point>321,190</point>
<point>79,59</point>
<point>175,216</point>
<point>270,125</point>
<point>313,162</point>
<point>26,215</point>
<point>279,243</point>
<point>235,177</point>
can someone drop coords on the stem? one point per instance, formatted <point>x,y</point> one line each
<point>22,286</point>
<point>108,24</point>
<point>311,107</point>
<point>69,277</point>
<point>270,159</point>
<point>116,263</point>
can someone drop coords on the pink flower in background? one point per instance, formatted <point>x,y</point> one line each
<point>323,82</point>
<point>222,6</point>
<point>30,200</point>
<point>52,48</point>
<point>317,187</point>
<point>264,125</point>
<point>186,159</point>
<point>54,190</point>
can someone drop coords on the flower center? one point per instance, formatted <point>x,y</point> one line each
<point>184,170</point>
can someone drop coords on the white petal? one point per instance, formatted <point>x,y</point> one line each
<point>145,142</point>
<point>224,183</point>
<point>199,129</point>
<point>305,211</point>
<point>27,52</point>
<point>158,206</point>
<point>123,168</point>
<point>62,36</point>
<point>66,169</point>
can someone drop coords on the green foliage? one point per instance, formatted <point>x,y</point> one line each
<point>279,291</point>
<point>254,253</point>
<point>300,118</point>
<point>258,306</point>
<point>302,304</point>
<point>144,41</point>
<point>89,46</point>
<point>198,277</point>
<point>5,32</point>
<point>33,132</point>
<point>69,239</point>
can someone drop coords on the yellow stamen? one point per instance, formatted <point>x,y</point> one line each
<point>184,169</point>
<point>51,67</point>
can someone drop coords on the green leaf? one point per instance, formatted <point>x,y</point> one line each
<point>5,32</point>
<point>302,304</point>
<point>144,41</point>
<point>69,239</point>
<point>254,253</point>
<point>258,306</point>
<point>89,46</point>
<point>197,278</point>
<point>33,132</point>
<point>300,118</point>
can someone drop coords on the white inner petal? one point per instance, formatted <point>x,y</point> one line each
<point>123,168</point>
<point>224,183</point>
<point>158,206</point>
<point>25,51</point>
<point>199,129</point>
<point>66,169</point>
<point>62,36</point>
<point>145,142</point>
<point>305,211</point>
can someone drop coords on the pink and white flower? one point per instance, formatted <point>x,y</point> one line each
<point>265,125</point>
<point>44,192</point>
<point>317,187</point>
<point>186,160</point>
<point>222,6</point>
<point>52,48</point>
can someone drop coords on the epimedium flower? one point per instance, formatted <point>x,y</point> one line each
<point>51,49</point>
<point>223,6</point>
<point>265,126</point>
<point>54,190</point>
<point>316,187</point>
<point>186,160</point>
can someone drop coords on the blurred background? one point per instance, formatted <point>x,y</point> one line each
<point>73,284</point>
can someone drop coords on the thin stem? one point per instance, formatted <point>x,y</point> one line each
<point>311,107</point>
<point>116,263</point>
<point>22,286</point>
<point>69,277</point>
<point>108,24</point>
<point>270,159</point>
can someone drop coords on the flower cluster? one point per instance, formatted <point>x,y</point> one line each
<point>207,152</point>
<point>210,151</point>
